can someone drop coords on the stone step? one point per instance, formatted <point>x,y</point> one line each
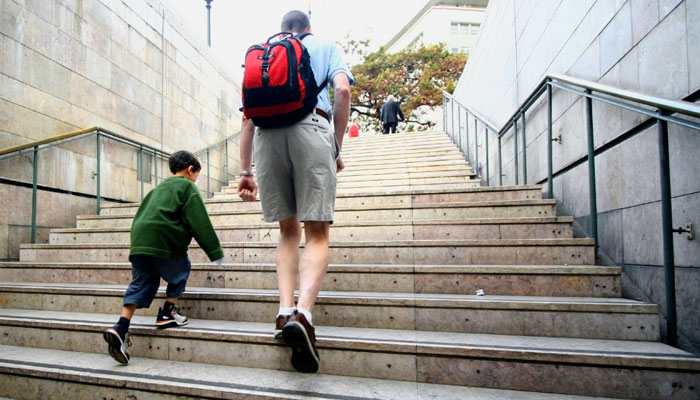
<point>399,161</point>
<point>579,317</point>
<point>374,172</point>
<point>379,186</point>
<point>385,141</point>
<point>405,155</point>
<point>59,374</point>
<point>399,183</point>
<point>389,167</point>
<point>390,199</point>
<point>398,146</point>
<point>374,175</point>
<point>407,213</point>
<point>495,228</point>
<point>421,252</point>
<point>381,150</point>
<point>515,280</point>
<point>389,182</point>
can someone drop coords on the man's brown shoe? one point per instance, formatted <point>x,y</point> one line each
<point>280,322</point>
<point>300,335</point>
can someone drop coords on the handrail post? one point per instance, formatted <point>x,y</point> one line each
<point>524,151</point>
<point>459,127</point>
<point>98,157</point>
<point>139,173</point>
<point>444,113</point>
<point>35,161</point>
<point>591,172</point>
<point>226,176</point>
<point>550,182</point>
<point>476,146</point>
<point>466,141</point>
<point>208,175</point>
<point>500,162</point>
<point>515,147</point>
<point>667,235</point>
<point>486,139</point>
<point>452,116</point>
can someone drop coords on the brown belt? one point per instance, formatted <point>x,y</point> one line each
<point>323,114</point>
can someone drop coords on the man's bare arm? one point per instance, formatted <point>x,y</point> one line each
<point>246,143</point>
<point>341,108</point>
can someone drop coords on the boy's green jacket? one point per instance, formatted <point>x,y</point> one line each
<point>169,216</point>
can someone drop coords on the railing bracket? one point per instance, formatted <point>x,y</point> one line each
<point>689,229</point>
<point>557,139</point>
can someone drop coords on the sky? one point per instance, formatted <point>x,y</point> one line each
<point>237,24</point>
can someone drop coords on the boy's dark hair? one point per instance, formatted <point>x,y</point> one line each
<point>181,160</point>
<point>295,21</point>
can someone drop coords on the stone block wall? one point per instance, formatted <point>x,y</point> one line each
<point>128,66</point>
<point>648,46</point>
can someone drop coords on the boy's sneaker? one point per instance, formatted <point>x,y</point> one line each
<point>172,320</point>
<point>118,345</point>
<point>300,335</point>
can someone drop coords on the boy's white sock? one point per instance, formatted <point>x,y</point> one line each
<point>286,311</point>
<point>306,313</point>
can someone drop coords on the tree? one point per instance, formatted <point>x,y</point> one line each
<point>416,77</point>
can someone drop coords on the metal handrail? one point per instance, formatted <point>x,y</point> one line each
<point>660,110</point>
<point>99,134</point>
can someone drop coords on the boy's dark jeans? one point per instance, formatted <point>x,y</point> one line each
<point>146,273</point>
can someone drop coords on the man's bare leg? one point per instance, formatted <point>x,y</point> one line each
<point>288,261</point>
<point>314,263</point>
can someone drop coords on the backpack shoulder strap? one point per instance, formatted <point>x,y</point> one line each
<point>325,82</point>
<point>303,35</point>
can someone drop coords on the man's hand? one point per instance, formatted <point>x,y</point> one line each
<point>247,189</point>
<point>339,165</point>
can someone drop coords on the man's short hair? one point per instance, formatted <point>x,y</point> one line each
<point>295,21</point>
<point>181,160</point>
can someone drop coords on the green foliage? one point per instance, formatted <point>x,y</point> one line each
<point>416,77</point>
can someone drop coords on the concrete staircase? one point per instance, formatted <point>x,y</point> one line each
<point>415,237</point>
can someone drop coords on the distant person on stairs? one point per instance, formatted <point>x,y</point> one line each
<point>167,220</point>
<point>390,115</point>
<point>296,165</point>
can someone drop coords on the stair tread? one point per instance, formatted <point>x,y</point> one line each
<point>387,207</point>
<point>419,222</point>
<point>367,339</point>
<point>213,380</point>
<point>418,268</point>
<point>542,303</point>
<point>386,243</point>
<point>380,194</point>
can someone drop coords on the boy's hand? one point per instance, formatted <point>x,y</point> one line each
<point>247,189</point>
<point>221,261</point>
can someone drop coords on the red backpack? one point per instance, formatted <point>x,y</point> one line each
<point>279,87</point>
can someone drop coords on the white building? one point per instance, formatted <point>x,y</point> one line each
<point>457,23</point>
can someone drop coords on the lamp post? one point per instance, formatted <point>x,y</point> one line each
<point>208,21</point>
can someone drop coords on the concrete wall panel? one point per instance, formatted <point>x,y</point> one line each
<point>640,45</point>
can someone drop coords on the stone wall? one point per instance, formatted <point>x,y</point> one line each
<point>127,66</point>
<point>648,46</point>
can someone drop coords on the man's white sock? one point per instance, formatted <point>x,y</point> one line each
<point>306,313</point>
<point>286,311</point>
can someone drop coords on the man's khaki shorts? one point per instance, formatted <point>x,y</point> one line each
<point>296,170</point>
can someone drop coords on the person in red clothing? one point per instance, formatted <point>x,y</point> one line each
<point>354,130</point>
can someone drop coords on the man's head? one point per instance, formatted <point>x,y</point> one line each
<point>296,21</point>
<point>183,163</point>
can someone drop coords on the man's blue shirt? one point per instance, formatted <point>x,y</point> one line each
<point>326,62</point>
